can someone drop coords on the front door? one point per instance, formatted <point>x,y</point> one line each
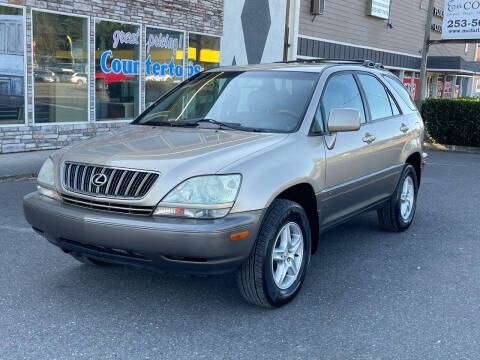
<point>349,165</point>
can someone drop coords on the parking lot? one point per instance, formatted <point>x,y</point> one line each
<point>369,294</point>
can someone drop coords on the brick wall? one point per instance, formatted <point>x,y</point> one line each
<point>205,16</point>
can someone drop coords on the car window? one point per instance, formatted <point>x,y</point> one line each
<point>342,92</point>
<point>317,126</point>
<point>400,89</point>
<point>377,97</point>
<point>395,109</point>
<point>264,100</point>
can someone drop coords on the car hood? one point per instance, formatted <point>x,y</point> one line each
<point>194,151</point>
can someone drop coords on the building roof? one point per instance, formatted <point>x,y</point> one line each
<point>453,64</point>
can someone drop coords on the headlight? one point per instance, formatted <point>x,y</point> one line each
<point>201,197</point>
<point>46,176</point>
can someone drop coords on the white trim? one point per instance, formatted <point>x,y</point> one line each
<point>184,32</point>
<point>140,25</point>
<point>25,68</point>
<point>114,20</point>
<point>293,26</point>
<point>357,46</point>
<point>88,67</point>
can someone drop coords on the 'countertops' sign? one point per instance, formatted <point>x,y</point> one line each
<point>379,8</point>
<point>461,19</point>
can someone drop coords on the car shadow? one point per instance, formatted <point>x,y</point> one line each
<point>344,254</point>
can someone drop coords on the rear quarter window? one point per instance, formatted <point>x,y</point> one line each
<point>400,90</point>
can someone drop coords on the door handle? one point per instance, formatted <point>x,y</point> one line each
<point>404,128</point>
<point>369,138</point>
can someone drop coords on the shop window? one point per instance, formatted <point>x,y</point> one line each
<point>60,67</point>
<point>203,53</point>
<point>117,69</point>
<point>12,66</point>
<point>164,62</point>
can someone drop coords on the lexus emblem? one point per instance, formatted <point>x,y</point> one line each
<point>99,180</point>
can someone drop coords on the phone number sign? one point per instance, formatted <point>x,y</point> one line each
<point>461,20</point>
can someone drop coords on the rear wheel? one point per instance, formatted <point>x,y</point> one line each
<point>276,269</point>
<point>88,260</point>
<point>398,212</point>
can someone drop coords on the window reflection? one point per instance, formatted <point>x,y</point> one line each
<point>203,53</point>
<point>164,62</point>
<point>117,48</point>
<point>12,69</point>
<point>60,67</point>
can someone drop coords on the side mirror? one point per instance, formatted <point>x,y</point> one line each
<point>340,120</point>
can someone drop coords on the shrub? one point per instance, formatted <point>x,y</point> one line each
<point>453,122</point>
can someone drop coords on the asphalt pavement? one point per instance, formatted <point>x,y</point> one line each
<point>369,294</point>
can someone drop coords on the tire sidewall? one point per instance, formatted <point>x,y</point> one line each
<point>275,295</point>
<point>402,223</point>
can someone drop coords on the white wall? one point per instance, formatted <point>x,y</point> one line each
<point>253,37</point>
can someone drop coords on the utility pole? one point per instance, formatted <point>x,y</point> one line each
<point>426,47</point>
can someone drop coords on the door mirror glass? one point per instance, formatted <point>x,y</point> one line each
<point>340,120</point>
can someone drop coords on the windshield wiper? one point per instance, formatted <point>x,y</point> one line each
<point>169,123</point>
<point>229,125</point>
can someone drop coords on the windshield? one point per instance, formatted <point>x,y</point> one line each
<point>269,101</point>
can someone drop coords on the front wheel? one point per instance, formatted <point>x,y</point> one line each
<point>276,269</point>
<point>398,212</point>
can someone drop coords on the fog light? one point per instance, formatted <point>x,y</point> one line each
<point>48,192</point>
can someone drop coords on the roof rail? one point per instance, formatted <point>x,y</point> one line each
<point>366,63</point>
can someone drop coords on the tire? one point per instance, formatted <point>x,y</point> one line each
<point>89,261</point>
<point>391,216</point>
<point>255,278</point>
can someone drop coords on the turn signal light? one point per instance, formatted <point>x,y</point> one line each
<point>239,236</point>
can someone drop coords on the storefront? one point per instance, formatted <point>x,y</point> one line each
<point>70,72</point>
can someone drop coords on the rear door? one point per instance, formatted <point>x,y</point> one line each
<point>349,165</point>
<point>390,131</point>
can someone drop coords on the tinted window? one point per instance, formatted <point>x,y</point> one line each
<point>400,89</point>
<point>267,100</point>
<point>342,92</point>
<point>377,97</point>
<point>395,109</point>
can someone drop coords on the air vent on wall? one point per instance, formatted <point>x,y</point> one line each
<point>317,7</point>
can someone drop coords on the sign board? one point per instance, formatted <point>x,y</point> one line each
<point>379,8</point>
<point>461,20</point>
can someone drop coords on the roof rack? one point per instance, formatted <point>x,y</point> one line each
<point>366,63</point>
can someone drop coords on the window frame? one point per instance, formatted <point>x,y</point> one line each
<point>88,67</point>
<point>387,91</point>
<point>320,105</point>
<point>144,102</point>
<point>141,75</point>
<point>25,68</point>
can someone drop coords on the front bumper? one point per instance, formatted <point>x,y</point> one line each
<point>171,244</point>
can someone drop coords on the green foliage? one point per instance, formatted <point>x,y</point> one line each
<point>453,122</point>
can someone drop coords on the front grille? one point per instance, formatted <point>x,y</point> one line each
<point>108,206</point>
<point>120,183</point>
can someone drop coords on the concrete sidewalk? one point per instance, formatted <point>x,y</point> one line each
<point>20,165</point>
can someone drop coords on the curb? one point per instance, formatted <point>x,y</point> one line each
<point>452,148</point>
<point>10,178</point>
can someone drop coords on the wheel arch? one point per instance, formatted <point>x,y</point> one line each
<point>304,195</point>
<point>415,160</point>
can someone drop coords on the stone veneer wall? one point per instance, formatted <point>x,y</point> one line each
<point>204,16</point>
